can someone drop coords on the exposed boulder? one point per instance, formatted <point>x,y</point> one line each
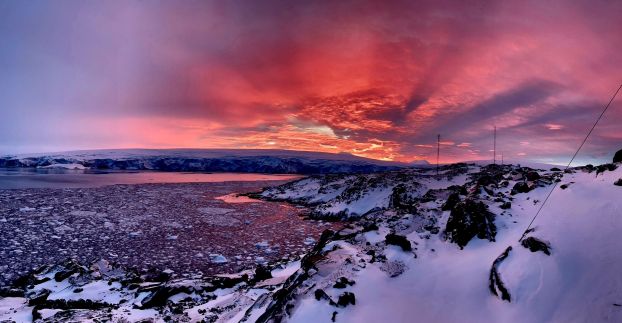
<point>346,299</point>
<point>343,282</point>
<point>535,245</point>
<point>320,294</point>
<point>469,219</point>
<point>262,273</point>
<point>618,182</point>
<point>398,240</point>
<point>617,158</point>
<point>521,187</point>
<point>532,176</point>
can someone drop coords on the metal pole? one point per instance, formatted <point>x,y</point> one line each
<point>438,151</point>
<point>494,148</point>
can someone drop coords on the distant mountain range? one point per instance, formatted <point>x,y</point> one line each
<point>205,160</point>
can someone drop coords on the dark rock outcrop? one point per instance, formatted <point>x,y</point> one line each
<point>617,158</point>
<point>400,200</point>
<point>618,182</point>
<point>346,299</point>
<point>343,282</point>
<point>532,176</point>
<point>320,294</point>
<point>535,245</point>
<point>521,187</point>
<point>398,240</point>
<point>496,285</point>
<point>262,273</point>
<point>284,298</point>
<point>605,167</point>
<point>452,200</point>
<point>469,219</point>
<point>160,296</point>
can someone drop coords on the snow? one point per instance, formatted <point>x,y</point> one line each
<point>579,282</point>
<point>288,270</point>
<point>136,315</point>
<point>96,291</point>
<point>15,309</point>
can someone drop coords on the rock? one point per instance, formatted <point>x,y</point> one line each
<point>506,205</point>
<point>398,240</point>
<point>605,167</point>
<point>346,299</point>
<point>400,200</point>
<point>486,180</point>
<point>370,227</point>
<point>160,296</point>
<point>618,182</point>
<point>39,298</point>
<point>521,187</point>
<point>535,245</point>
<point>532,176</point>
<point>343,282</point>
<point>452,200</point>
<point>262,273</point>
<point>617,158</point>
<point>496,285</point>
<point>555,169</point>
<point>432,228</point>
<point>320,294</point>
<point>67,269</point>
<point>469,219</point>
<point>393,268</point>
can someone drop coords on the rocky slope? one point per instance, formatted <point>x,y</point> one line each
<point>417,247</point>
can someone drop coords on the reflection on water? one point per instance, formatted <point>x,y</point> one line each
<point>236,198</point>
<point>12,178</point>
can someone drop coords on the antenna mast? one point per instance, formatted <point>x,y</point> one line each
<point>438,151</point>
<point>494,148</point>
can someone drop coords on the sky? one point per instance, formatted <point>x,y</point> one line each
<point>378,79</point>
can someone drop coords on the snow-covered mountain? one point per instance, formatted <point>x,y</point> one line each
<point>416,247</point>
<point>210,160</point>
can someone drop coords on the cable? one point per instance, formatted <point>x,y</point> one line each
<point>571,160</point>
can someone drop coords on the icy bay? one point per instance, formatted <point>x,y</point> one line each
<point>149,221</point>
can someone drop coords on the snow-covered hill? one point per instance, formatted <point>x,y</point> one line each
<point>210,160</point>
<point>417,247</point>
<point>428,255</point>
